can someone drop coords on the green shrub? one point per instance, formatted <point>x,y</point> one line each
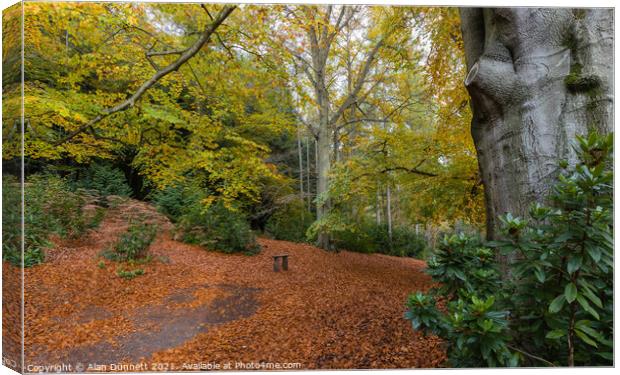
<point>563,278</point>
<point>104,179</point>
<point>473,325</point>
<point>52,197</point>
<point>369,237</point>
<point>97,218</point>
<point>404,242</point>
<point>217,228</point>
<point>129,274</point>
<point>354,237</point>
<point>290,222</point>
<point>463,265</point>
<point>36,230</point>
<point>50,207</point>
<point>555,307</point>
<point>173,201</point>
<point>133,244</point>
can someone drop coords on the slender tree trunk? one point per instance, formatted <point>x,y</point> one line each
<point>301,168</point>
<point>389,213</point>
<point>378,206</point>
<point>397,209</point>
<point>316,160</point>
<point>336,145</point>
<point>537,77</point>
<point>308,173</point>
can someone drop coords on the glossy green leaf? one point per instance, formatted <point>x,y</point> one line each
<point>570,292</point>
<point>555,334</point>
<point>556,304</point>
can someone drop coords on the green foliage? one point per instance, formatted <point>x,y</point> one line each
<point>563,277</point>
<point>473,325</point>
<point>97,218</point>
<point>104,179</point>
<point>354,237</point>
<point>404,242</point>
<point>213,226</point>
<point>463,266</point>
<point>129,274</point>
<point>173,201</point>
<point>369,237</point>
<point>476,332</point>
<point>290,222</point>
<point>50,207</point>
<point>133,244</point>
<point>217,227</point>
<point>558,295</point>
<point>35,239</point>
<point>51,197</point>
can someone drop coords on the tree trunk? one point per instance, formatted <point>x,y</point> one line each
<point>321,32</point>
<point>537,77</point>
<point>378,205</point>
<point>308,173</point>
<point>323,166</point>
<point>389,213</point>
<point>301,168</point>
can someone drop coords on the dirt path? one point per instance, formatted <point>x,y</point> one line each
<point>196,308</point>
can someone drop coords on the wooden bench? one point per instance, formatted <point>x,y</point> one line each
<point>276,262</point>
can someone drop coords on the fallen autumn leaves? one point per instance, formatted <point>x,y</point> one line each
<point>329,311</point>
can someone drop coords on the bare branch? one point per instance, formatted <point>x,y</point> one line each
<point>310,128</point>
<point>164,53</point>
<point>185,56</point>
<point>380,120</point>
<point>358,84</point>
<point>398,168</point>
<point>217,35</point>
<point>531,355</point>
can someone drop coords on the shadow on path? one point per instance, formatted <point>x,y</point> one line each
<point>179,318</point>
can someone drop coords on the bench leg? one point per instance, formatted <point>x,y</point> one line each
<point>285,263</point>
<point>276,265</point>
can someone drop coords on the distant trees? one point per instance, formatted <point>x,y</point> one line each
<point>360,77</point>
<point>253,104</point>
<point>319,40</point>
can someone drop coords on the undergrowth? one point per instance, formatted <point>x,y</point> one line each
<point>555,306</point>
<point>51,207</point>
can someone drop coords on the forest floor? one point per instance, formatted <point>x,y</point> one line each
<point>196,309</point>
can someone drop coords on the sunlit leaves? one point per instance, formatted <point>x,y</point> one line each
<point>214,118</point>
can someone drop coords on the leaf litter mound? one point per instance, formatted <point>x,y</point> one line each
<point>194,307</point>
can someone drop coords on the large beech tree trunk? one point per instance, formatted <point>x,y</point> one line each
<point>537,77</point>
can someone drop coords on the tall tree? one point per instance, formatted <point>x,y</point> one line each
<point>536,78</point>
<point>313,39</point>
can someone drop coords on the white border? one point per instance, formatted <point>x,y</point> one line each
<point>481,3</point>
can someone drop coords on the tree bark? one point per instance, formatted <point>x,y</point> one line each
<point>321,37</point>
<point>537,77</point>
<point>323,168</point>
<point>301,168</point>
<point>389,213</point>
<point>308,173</point>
